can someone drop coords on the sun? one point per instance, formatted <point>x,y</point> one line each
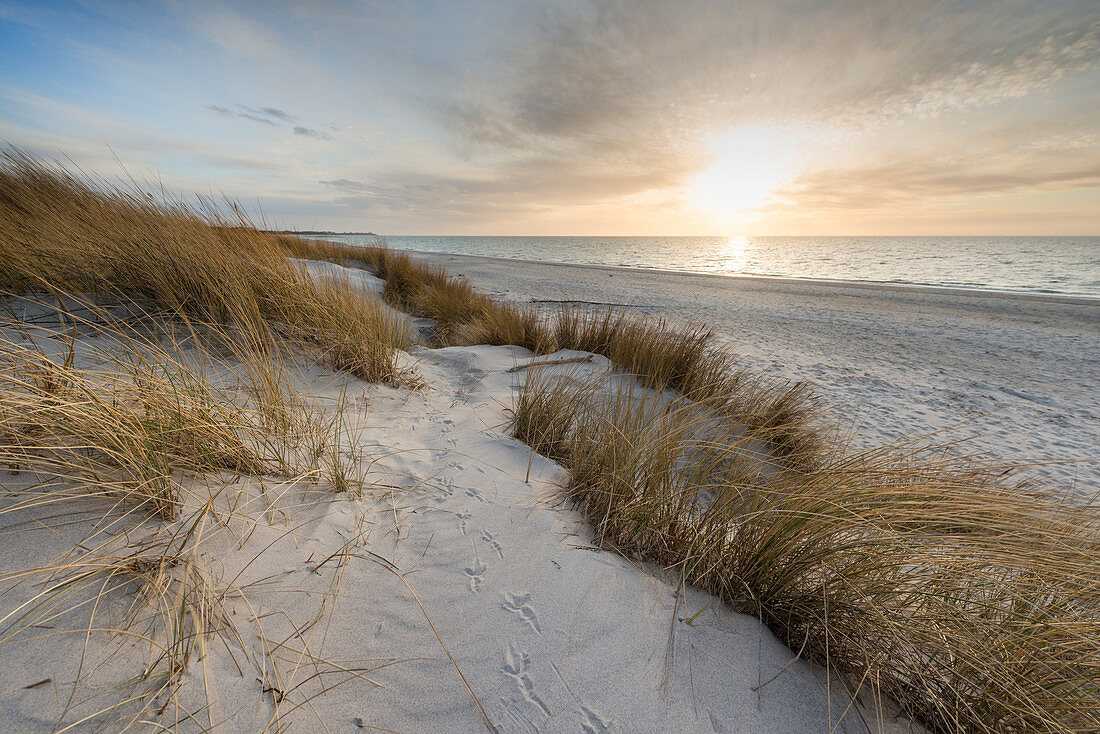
<point>749,165</point>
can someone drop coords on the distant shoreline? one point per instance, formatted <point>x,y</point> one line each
<point>970,291</point>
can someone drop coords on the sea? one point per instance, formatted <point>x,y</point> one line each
<point>1062,265</point>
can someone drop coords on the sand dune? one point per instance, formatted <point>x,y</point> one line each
<point>313,592</point>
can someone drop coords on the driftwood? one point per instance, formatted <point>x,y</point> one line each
<point>547,362</point>
<point>583,303</point>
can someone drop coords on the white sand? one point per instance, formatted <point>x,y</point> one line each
<point>552,634</point>
<point>1020,373</point>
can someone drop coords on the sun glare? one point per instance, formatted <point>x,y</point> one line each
<point>749,165</point>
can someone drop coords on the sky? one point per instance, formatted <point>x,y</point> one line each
<point>574,117</point>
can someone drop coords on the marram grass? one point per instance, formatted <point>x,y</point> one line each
<point>139,438</point>
<point>659,353</point>
<point>60,232</point>
<point>968,596</point>
<point>971,599</point>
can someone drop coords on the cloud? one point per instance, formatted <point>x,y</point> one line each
<point>311,133</point>
<point>483,110</point>
<point>624,94</point>
<point>236,163</point>
<point>345,184</point>
<point>1003,76</point>
<point>271,112</point>
<point>269,116</point>
<point>264,115</point>
<point>905,182</point>
<point>579,69</point>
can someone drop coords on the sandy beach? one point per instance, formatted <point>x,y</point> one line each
<point>1016,374</point>
<point>449,585</point>
<point>551,633</point>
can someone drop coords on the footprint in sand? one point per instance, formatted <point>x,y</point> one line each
<point>593,723</point>
<point>474,574</point>
<point>516,665</point>
<point>487,537</point>
<point>471,492</point>
<point>521,605</point>
<point>463,517</point>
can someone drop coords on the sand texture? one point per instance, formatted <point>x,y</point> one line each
<point>317,627</point>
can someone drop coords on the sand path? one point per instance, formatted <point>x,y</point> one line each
<point>552,634</point>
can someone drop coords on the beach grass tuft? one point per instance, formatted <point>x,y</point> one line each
<point>661,354</point>
<point>64,233</point>
<point>144,429</point>
<point>970,598</point>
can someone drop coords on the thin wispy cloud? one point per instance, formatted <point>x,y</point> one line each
<point>344,184</point>
<point>272,116</point>
<point>311,133</point>
<point>271,113</point>
<point>264,115</point>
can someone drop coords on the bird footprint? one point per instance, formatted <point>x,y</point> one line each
<point>474,573</point>
<point>521,605</point>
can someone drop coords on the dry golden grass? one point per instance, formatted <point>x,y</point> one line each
<point>138,434</point>
<point>662,355</point>
<point>149,607</point>
<point>123,431</point>
<point>62,233</point>
<point>971,599</point>
<point>149,409</point>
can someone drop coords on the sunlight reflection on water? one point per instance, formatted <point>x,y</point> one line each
<point>736,255</point>
<point>1041,264</point>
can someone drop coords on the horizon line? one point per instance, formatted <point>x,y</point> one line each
<point>659,236</point>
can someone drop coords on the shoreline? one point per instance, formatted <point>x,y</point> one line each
<point>1075,299</point>
<point>1016,375</point>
